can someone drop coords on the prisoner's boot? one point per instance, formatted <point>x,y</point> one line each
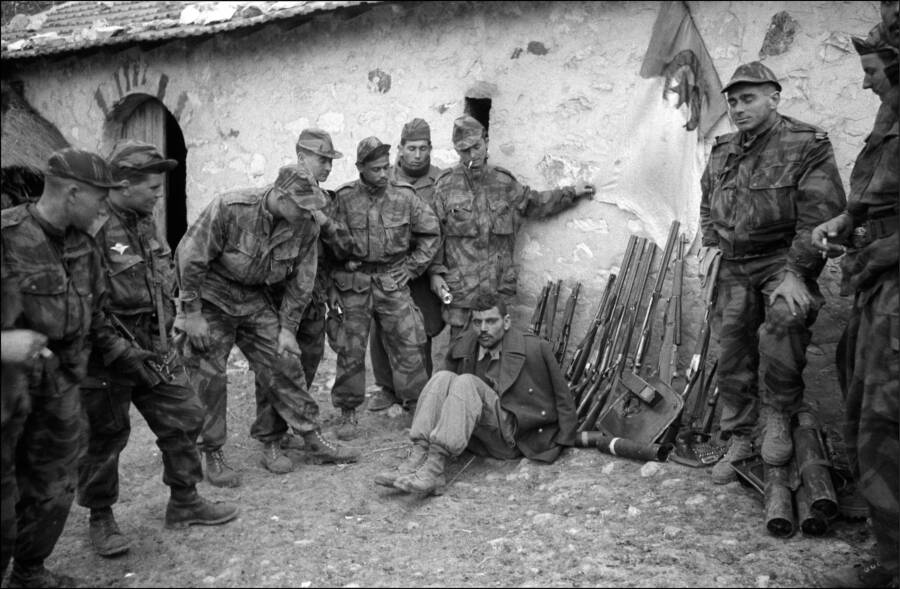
<point>428,478</point>
<point>777,446</point>
<point>324,450</point>
<point>741,447</point>
<point>106,538</point>
<point>187,508</point>
<point>860,575</point>
<point>415,459</point>
<point>38,576</point>
<point>218,472</point>
<point>349,425</point>
<point>382,399</point>
<point>291,442</point>
<point>275,460</point>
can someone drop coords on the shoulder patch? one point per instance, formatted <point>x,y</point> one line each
<point>13,216</point>
<point>505,173</point>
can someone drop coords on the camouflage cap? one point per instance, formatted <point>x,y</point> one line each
<point>466,131</point>
<point>318,142</point>
<point>297,185</point>
<point>371,148</point>
<point>875,42</point>
<point>415,130</point>
<point>130,155</point>
<point>81,165</point>
<point>752,73</point>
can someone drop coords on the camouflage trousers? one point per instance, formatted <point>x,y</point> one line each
<point>172,410</point>
<point>402,333</point>
<point>456,411</point>
<point>749,346</point>
<point>430,306</point>
<point>289,402</point>
<point>872,372</point>
<point>41,446</point>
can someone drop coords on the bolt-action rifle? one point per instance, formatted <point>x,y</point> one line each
<point>647,325</point>
<point>561,342</point>
<point>667,367</point>
<point>550,311</point>
<point>583,350</point>
<point>538,315</point>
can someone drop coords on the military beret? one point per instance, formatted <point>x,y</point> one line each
<point>83,166</point>
<point>318,142</point>
<point>371,148</point>
<point>130,155</point>
<point>466,131</point>
<point>295,184</point>
<point>752,73</point>
<point>415,130</point>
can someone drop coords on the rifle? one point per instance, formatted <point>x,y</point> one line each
<point>538,314</point>
<point>668,351</point>
<point>698,360</point>
<point>562,340</point>
<point>580,356</point>
<point>647,325</point>
<point>161,372</point>
<point>550,311</point>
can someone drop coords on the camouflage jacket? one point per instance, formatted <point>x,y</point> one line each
<point>423,184</point>
<point>480,218</point>
<point>139,267</point>
<point>63,293</point>
<point>236,250</point>
<point>391,226</point>
<point>873,204</point>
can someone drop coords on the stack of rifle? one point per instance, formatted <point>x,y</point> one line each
<point>544,316</point>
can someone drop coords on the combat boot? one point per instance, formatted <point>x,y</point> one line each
<point>740,447</point>
<point>428,478</point>
<point>777,447</point>
<point>382,399</point>
<point>38,576</point>
<point>106,539</point>
<point>860,575</point>
<point>415,459</point>
<point>218,472</point>
<point>275,460</point>
<point>349,426</point>
<point>198,511</point>
<point>324,450</point>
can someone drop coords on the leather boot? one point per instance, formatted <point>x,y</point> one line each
<point>349,426</point>
<point>429,477</point>
<point>777,446</point>
<point>740,447</point>
<point>198,511</point>
<point>38,576</point>
<point>218,472</point>
<point>106,539</point>
<point>415,459</point>
<point>326,451</point>
<point>275,460</point>
<point>382,399</point>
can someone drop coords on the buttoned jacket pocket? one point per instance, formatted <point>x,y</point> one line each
<point>460,218</point>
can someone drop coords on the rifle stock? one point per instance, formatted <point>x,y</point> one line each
<point>550,311</point>
<point>583,350</point>
<point>561,341</point>
<point>647,324</point>
<point>538,314</point>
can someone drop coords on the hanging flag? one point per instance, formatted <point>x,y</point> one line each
<point>677,52</point>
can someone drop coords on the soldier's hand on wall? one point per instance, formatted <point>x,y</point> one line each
<point>287,343</point>
<point>707,256</point>
<point>829,236</point>
<point>21,345</point>
<point>584,189</point>
<point>197,330</point>
<point>439,285</point>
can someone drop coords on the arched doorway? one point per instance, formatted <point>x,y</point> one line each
<point>145,118</point>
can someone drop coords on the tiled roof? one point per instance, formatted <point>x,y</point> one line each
<point>76,26</point>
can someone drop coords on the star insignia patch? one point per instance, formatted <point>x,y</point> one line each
<point>119,248</point>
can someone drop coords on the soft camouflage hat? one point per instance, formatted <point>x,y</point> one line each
<point>318,142</point>
<point>466,132</point>
<point>81,165</point>
<point>130,155</point>
<point>752,73</point>
<point>297,185</point>
<point>875,42</point>
<point>415,130</point>
<point>371,148</point>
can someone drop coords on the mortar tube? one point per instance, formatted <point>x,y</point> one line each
<point>814,467</point>
<point>779,503</point>
<point>812,521</point>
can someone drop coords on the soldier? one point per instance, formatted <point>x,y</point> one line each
<point>481,208</point>
<point>62,289</point>
<point>243,243</point>
<point>869,363</point>
<point>413,167</point>
<point>141,286</point>
<point>386,236</point>
<point>763,190</point>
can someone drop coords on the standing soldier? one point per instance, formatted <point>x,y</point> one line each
<point>763,191</point>
<point>141,286</point>
<point>386,236</point>
<point>481,208</point>
<point>243,243</point>
<point>62,288</point>
<point>870,362</point>
<point>413,167</point>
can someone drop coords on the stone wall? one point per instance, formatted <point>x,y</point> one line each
<point>567,105</point>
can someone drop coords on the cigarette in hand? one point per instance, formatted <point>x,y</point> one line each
<point>825,245</point>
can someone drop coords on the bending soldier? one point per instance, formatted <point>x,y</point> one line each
<point>141,286</point>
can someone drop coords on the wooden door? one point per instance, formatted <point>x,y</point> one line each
<point>148,123</point>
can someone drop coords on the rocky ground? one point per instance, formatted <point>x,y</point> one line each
<point>590,519</point>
